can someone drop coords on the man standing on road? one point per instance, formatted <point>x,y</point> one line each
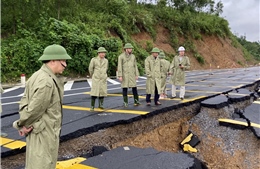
<point>165,67</point>
<point>178,66</point>
<point>128,73</point>
<point>98,72</point>
<point>40,110</point>
<point>153,73</point>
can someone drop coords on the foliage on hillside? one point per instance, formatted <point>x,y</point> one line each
<point>252,47</point>
<point>80,26</point>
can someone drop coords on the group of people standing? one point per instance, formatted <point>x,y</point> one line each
<point>157,69</point>
<point>40,108</point>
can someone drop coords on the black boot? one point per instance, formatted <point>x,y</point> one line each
<point>136,99</point>
<point>101,103</point>
<point>93,99</point>
<point>125,101</point>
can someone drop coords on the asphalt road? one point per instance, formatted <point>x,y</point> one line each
<point>200,85</point>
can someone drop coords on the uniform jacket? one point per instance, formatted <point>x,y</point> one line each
<point>178,74</point>
<point>127,69</point>
<point>165,68</point>
<point>41,107</point>
<point>98,71</point>
<point>153,73</point>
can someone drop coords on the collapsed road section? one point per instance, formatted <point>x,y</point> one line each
<point>154,142</point>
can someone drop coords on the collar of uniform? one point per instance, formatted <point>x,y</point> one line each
<point>127,54</point>
<point>46,69</point>
<point>100,58</point>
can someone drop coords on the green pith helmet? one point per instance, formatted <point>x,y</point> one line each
<point>128,46</point>
<point>155,50</point>
<point>101,50</point>
<point>161,55</point>
<point>54,52</point>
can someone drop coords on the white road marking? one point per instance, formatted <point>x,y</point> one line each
<point>89,82</point>
<point>113,81</point>
<point>11,89</point>
<point>21,94</point>
<point>141,77</point>
<point>10,103</point>
<point>66,95</point>
<point>68,85</point>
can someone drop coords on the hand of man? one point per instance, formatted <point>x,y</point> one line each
<point>136,77</point>
<point>24,131</point>
<point>120,79</point>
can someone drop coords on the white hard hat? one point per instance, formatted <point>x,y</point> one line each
<point>181,48</point>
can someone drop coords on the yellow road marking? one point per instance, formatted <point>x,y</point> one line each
<point>12,144</point>
<point>68,164</point>
<point>192,99</point>
<point>239,122</point>
<point>201,91</point>
<point>117,95</point>
<point>234,87</point>
<point>5,140</point>
<point>72,163</point>
<point>238,94</point>
<point>169,98</point>
<point>106,110</point>
<point>80,166</point>
<point>187,139</point>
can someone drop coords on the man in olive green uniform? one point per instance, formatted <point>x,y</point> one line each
<point>40,110</point>
<point>153,73</point>
<point>165,67</point>
<point>2,91</point>
<point>128,73</point>
<point>98,72</point>
<point>178,66</point>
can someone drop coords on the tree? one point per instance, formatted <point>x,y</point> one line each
<point>219,8</point>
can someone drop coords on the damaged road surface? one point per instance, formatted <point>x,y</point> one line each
<point>151,137</point>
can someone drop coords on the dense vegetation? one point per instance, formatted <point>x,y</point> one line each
<point>252,47</point>
<point>81,26</point>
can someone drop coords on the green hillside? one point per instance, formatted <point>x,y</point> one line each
<point>81,26</point>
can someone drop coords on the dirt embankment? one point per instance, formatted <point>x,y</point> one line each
<point>217,52</point>
<point>220,147</point>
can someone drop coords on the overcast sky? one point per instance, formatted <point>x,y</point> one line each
<point>243,18</point>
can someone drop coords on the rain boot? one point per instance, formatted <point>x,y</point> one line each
<point>101,103</point>
<point>92,103</point>
<point>136,99</point>
<point>125,101</point>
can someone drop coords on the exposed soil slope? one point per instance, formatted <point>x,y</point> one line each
<point>217,52</point>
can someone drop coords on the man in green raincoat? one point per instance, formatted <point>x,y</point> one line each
<point>178,66</point>
<point>40,110</point>
<point>165,67</point>
<point>128,73</point>
<point>98,72</point>
<point>153,73</point>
